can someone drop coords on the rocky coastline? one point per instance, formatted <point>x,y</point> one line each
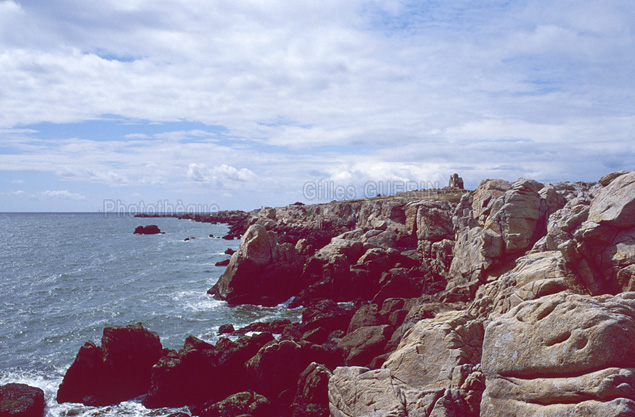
<point>515,299</point>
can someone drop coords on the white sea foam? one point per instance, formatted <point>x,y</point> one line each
<point>50,383</point>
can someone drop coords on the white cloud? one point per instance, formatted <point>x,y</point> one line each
<point>16,193</point>
<point>62,194</point>
<point>221,176</point>
<point>348,91</point>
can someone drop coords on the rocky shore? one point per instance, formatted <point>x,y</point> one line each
<point>515,299</point>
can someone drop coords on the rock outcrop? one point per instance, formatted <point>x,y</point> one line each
<point>20,400</point>
<point>539,331</point>
<point>117,370</point>
<point>262,271</point>
<point>563,354</point>
<point>516,300</point>
<point>153,229</point>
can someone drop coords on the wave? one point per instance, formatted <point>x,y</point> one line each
<point>49,383</point>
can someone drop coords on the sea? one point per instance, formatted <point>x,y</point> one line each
<point>64,277</point>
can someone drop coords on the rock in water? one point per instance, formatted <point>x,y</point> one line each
<point>119,370</point>
<point>261,272</point>
<point>20,400</point>
<point>147,230</point>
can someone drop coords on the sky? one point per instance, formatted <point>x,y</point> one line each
<point>206,105</point>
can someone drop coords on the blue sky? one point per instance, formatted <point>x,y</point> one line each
<point>238,104</point>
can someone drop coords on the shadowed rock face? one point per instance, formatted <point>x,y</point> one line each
<point>375,254</point>
<point>262,271</point>
<point>119,370</point>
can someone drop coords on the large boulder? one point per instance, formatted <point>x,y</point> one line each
<point>188,377</point>
<point>277,367</point>
<point>347,244</point>
<point>497,223</point>
<point>311,398</point>
<point>364,344</point>
<point>615,204</point>
<point>563,354</point>
<point>119,370</point>
<point>20,400</point>
<point>357,391</point>
<point>432,221</point>
<point>327,315</point>
<point>596,234</point>
<point>431,350</point>
<point>200,372</point>
<point>434,371</point>
<point>535,275</point>
<point>389,214</point>
<point>262,271</point>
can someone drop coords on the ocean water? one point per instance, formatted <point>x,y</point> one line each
<point>64,277</point>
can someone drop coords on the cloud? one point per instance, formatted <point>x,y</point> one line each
<point>221,176</point>
<point>264,96</point>
<point>62,194</point>
<point>48,194</point>
<point>16,193</point>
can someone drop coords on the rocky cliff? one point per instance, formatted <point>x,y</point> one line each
<point>512,300</point>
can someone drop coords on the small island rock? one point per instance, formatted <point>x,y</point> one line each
<point>153,229</point>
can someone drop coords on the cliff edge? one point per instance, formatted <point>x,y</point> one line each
<point>517,298</point>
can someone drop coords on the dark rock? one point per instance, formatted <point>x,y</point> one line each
<point>147,230</point>
<point>378,361</point>
<point>211,235</point>
<point>119,370</point>
<point>201,373</point>
<point>275,326</point>
<point>189,376</point>
<point>367,315</point>
<point>326,279</point>
<point>222,263</point>
<point>399,283</point>
<point>311,398</point>
<point>20,400</point>
<point>187,239</point>
<point>396,318</point>
<point>229,251</point>
<point>263,272</point>
<point>277,366</point>
<point>326,314</point>
<point>245,404</point>
<point>364,344</point>
<point>193,342</point>
<point>226,328</point>
<point>179,414</point>
<point>390,305</point>
<point>318,335</point>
